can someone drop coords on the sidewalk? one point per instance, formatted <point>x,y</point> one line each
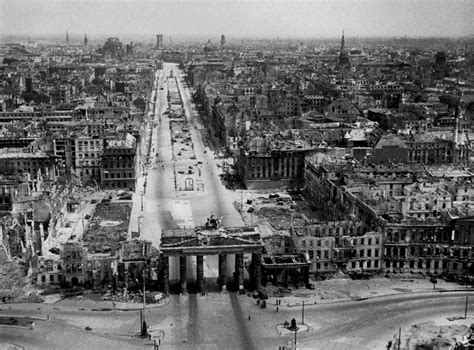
<point>144,163</point>
<point>343,290</point>
<point>92,305</point>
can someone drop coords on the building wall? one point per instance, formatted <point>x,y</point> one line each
<point>274,170</point>
<point>32,165</point>
<point>342,244</point>
<point>369,252</point>
<point>394,154</point>
<point>118,169</point>
<point>88,158</point>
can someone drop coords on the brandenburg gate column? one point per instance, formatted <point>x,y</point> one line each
<point>182,273</point>
<point>306,276</point>
<point>200,272</point>
<point>239,271</point>
<point>256,267</point>
<point>166,275</point>
<point>222,270</point>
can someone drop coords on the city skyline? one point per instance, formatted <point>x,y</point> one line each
<point>302,19</point>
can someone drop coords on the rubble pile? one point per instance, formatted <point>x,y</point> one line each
<point>14,285</point>
<point>431,336</point>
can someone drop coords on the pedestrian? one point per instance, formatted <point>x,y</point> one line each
<point>249,317</point>
<point>277,308</point>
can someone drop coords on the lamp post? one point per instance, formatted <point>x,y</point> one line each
<point>302,314</point>
<point>144,331</point>
<point>465,308</point>
<point>296,331</point>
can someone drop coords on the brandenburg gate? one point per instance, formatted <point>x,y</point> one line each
<point>212,240</point>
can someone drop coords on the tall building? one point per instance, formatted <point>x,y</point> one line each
<point>343,56</point>
<point>222,41</point>
<point>29,83</point>
<point>159,41</point>
<point>440,58</point>
<point>86,42</point>
<point>67,37</point>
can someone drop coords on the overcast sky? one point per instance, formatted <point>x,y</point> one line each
<point>269,18</point>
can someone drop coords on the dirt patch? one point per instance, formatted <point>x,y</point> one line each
<point>101,237</point>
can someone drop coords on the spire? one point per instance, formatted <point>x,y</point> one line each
<point>67,37</point>
<point>342,41</point>
<point>86,42</point>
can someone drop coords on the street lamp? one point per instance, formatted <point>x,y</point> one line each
<point>296,332</point>
<point>144,330</point>
<point>302,314</point>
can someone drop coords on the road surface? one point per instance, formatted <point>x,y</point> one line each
<point>220,321</point>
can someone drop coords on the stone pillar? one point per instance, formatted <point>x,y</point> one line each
<point>200,272</point>
<point>284,276</point>
<point>239,271</point>
<point>182,274</point>
<point>306,276</point>
<point>222,270</point>
<point>256,270</point>
<point>166,275</point>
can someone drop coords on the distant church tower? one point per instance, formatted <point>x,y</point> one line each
<point>343,56</point>
<point>86,42</point>
<point>222,41</point>
<point>67,38</point>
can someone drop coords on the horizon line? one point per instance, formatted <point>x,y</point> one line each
<point>90,35</point>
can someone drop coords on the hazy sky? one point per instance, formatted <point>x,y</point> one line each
<point>270,18</point>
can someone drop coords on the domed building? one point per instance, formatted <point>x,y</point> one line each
<point>209,47</point>
<point>112,48</point>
